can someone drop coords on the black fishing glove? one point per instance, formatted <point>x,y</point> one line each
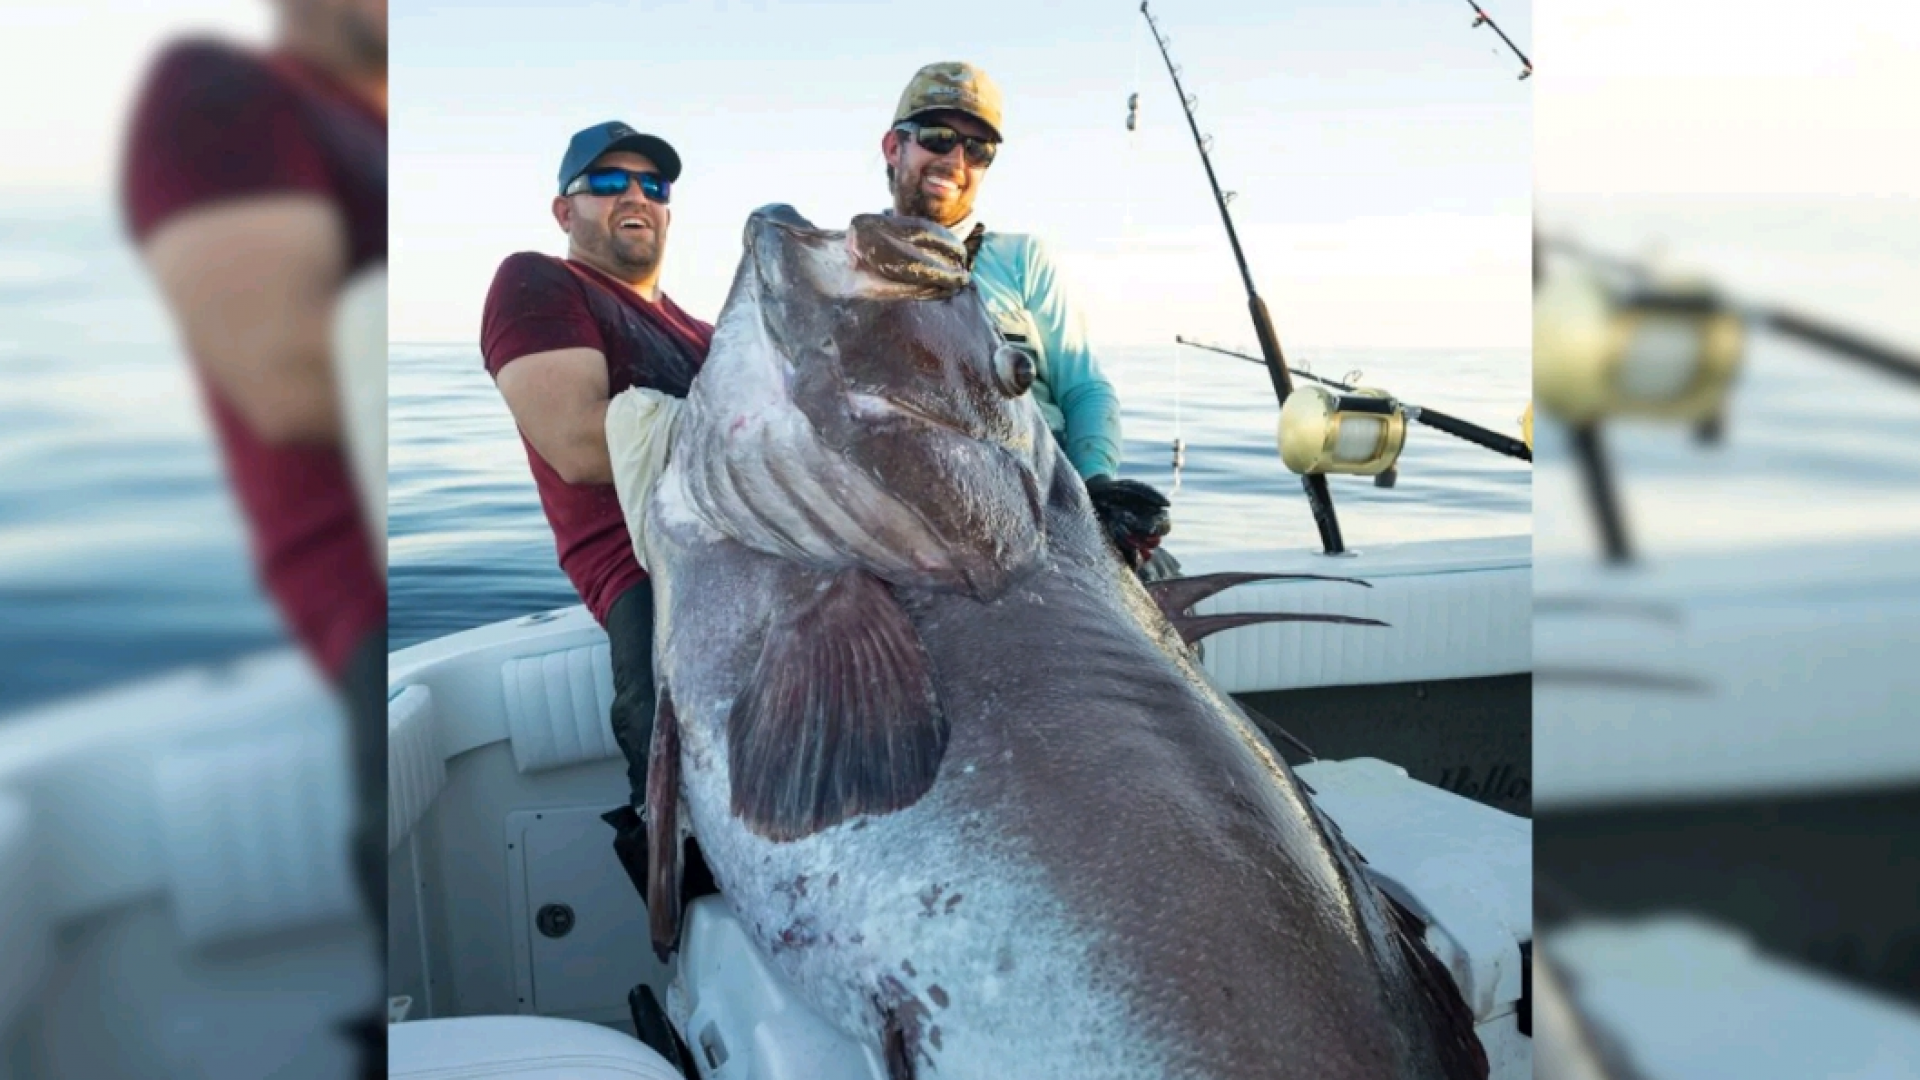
<point>1133,515</point>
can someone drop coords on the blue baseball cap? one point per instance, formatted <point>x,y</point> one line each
<point>614,135</point>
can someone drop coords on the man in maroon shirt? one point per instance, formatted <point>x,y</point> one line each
<point>561,338</point>
<point>255,185</point>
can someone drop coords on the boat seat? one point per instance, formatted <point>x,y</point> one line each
<point>518,1048</point>
<point>557,705</point>
<point>416,773</point>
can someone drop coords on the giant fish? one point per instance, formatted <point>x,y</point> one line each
<point>954,766</point>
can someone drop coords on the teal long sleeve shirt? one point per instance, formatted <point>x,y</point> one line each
<point>1021,286</point>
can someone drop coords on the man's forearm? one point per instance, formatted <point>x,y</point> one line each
<point>1093,438</point>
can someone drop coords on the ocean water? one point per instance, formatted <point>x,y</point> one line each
<point>1819,450</point>
<point>122,555</point>
<point>121,552</point>
<point>469,544</point>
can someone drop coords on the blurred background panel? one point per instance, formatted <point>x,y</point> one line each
<point>121,552</point>
<point>1727,539</point>
<point>176,897</point>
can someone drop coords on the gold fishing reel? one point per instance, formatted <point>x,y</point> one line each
<point>1667,351</point>
<point>1358,432</point>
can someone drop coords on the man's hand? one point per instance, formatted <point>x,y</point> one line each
<point>559,399</point>
<point>252,285</point>
<point>1134,515</point>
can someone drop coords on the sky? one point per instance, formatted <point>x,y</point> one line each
<point>1383,152</point>
<point>1380,151</point>
<point>1778,153</point>
<point>68,73</point>
<point>1681,99</point>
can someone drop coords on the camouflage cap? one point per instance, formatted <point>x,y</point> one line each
<point>952,85</point>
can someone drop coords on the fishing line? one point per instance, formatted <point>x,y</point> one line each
<point>1133,140</point>
<point>1179,444</point>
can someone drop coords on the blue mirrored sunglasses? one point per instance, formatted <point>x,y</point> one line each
<point>614,181</point>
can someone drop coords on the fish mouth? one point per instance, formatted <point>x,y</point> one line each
<point>781,219</point>
<point>876,407</point>
<point>877,257</point>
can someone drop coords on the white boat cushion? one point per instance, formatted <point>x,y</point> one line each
<point>254,832</point>
<point>557,707</point>
<point>519,1047</point>
<point>1464,867</point>
<point>416,772</point>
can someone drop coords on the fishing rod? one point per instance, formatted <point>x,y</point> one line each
<point>1319,495</point>
<point>1433,418</point>
<point>1610,350</point>
<point>1641,294</point>
<point>1481,18</point>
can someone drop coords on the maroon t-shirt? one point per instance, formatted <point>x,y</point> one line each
<point>215,122</point>
<point>539,304</point>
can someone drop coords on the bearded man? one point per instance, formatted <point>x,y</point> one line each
<point>945,135</point>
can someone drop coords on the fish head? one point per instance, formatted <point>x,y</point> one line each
<point>895,364</point>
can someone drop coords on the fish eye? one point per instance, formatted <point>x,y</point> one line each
<point>1013,370</point>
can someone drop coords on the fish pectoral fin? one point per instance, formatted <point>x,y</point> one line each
<point>1176,595</point>
<point>1194,627</point>
<point>839,718</point>
<point>664,853</point>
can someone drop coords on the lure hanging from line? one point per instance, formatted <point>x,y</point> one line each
<point>1179,444</point>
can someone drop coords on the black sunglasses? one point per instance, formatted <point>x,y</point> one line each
<point>939,140</point>
<point>615,181</point>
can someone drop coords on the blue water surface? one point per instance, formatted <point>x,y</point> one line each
<point>121,551</point>
<point>470,546</point>
<point>122,555</point>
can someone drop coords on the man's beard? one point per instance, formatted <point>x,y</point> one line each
<point>368,47</point>
<point>635,256</point>
<point>363,41</point>
<point>912,200</point>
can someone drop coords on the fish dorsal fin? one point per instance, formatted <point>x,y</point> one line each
<point>1194,627</point>
<point>839,718</point>
<point>1176,595</point>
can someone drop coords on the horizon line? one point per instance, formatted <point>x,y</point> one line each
<point>391,342</point>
